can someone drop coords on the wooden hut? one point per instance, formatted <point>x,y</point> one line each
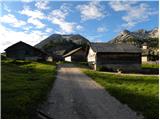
<point>24,51</point>
<point>76,55</point>
<point>114,56</point>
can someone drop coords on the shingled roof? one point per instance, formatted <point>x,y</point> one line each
<point>21,42</point>
<point>119,48</point>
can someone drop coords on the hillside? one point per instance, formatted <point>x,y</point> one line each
<point>139,37</point>
<point>60,44</point>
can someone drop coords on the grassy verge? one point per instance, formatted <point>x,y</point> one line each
<point>150,66</point>
<point>139,92</point>
<point>24,86</point>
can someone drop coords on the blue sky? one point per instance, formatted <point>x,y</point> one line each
<point>99,21</point>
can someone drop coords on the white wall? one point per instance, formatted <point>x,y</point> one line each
<point>91,58</point>
<point>144,47</point>
<point>68,59</point>
<point>50,59</point>
<point>144,58</point>
<point>91,55</point>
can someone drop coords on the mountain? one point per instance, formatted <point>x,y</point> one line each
<point>61,44</point>
<point>138,37</point>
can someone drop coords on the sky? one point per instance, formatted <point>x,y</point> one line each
<point>98,21</point>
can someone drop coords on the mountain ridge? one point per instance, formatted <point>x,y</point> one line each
<point>61,44</point>
<point>136,37</point>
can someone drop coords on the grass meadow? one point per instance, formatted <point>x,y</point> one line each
<point>141,93</point>
<point>150,66</point>
<point>24,85</point>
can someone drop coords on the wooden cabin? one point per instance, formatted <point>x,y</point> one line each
<point>24,51</point>
<point>114,56</point>
<point>76,55</point>
<point>57,57</point>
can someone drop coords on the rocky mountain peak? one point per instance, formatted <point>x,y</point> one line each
<point>141,31</point>
<point>138,37</point>
<point>154,33</point>
<point>125,32</point>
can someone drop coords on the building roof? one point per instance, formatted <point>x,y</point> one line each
<point>144,44</point>
<point>118,48</point>
<point>20,42</point>
<point>72,52</point>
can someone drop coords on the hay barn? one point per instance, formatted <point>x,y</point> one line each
<point>114,56</point>
<point>76,55</point>
<point>24,51</point>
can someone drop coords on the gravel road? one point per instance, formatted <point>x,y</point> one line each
<point>75,95</point>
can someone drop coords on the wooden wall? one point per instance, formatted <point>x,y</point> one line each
<point>79,56</point>
<point>118,58</point>
<point>114,60</point>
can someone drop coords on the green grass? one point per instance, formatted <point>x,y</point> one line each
<point>150,66</point>
<point>24,86</point>
<point>141,93</point>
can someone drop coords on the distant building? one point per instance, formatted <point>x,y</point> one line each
<point>57,57</point>
<point>145,53</point>
<point>76,55</point>
<point>114,56</point>
<point>24,51</point>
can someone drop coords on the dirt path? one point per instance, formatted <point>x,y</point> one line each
<point>75,95</point>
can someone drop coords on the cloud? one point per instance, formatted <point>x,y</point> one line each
<point>101,29</point>
<point>60,14</point>
<point>34,16</point>
<point>26,28</point>
<point>32,13</point>
<point>65,26</point>
<point>79,27</point>
<point>138,14</point>
<point>135,13</point>
<point>49,30</point>
<point>12,20</point>
<point>6,8</point>
<point>36,22</point>
<point>9,37</point>
<point>92,10</point>
<point>42,4</point>
<point>26,1</point>
<point>121,5</point>
<point>58,17</point>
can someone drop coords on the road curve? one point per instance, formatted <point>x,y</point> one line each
<point>75,95</point>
